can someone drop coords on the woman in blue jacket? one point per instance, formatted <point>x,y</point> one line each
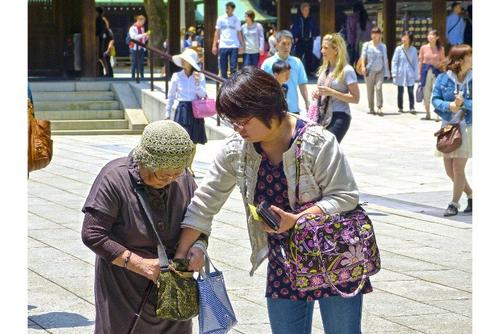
<point>452,98</point>
<point>405,69</point>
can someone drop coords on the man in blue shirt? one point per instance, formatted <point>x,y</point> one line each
<point>298,77</point>
<point>455,25</point>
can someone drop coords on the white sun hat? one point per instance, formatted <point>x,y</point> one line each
<point>188,55</point>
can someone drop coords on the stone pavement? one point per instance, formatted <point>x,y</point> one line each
<point>424,286</point>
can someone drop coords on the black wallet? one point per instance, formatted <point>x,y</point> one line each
<point>268,216</point>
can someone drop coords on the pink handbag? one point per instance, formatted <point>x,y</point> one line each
<point>204,107</point>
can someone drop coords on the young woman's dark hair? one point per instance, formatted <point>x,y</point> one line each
<point>456,54</point>
<point>251,92</point>
<point>251,14</point>
<point>438,41</point>
<point>409,34</point>
<point>363,15</point>
<point>376,30</point>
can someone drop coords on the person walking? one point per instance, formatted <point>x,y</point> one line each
<point>404,69</point>
<point>452,98</point>
<point>185,86</point>
<point>304,30</point>
<point>375,67</point>
<point>137,52</point>
<point>430,60</point>
<point>272,41</point>
<point>298,76</point>
<point>337,86</point>
<point>253,34</point>
<point>455,25</point>
<point>106,49</point>
<point>115,227</point>
<point>260,159</point>
<point>228,35</point>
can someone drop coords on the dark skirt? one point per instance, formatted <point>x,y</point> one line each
<point>194,126</point>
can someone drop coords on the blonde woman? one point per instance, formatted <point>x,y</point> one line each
<point>337,86</point>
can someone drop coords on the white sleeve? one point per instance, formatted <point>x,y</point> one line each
<point>260,32</point>
<point>201,89</point>
<point>172,90</point>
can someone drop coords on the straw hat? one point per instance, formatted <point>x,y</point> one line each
<point>188,55</point>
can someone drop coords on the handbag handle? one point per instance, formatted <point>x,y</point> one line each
<point>162,253</point>
<point>205,271</point>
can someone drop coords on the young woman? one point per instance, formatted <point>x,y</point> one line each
<point>337,86</point>
<point>375,67</point>
<point>186,86</point>
<point>405,69</point>
<point>260,159</point>
<point>253,34</point>
<point>452,98</point>
<point>430,60</point>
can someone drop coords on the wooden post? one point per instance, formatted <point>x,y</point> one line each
<point>326,17</point>
<point>284,15</point>
<point>210,19</point>
<point>174,29</point>
<point>89,44</point>
<point>439,19</point>
<point>390,27</point>
<point>190,14</point>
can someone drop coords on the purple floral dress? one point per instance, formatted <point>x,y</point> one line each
<point>272,187</point>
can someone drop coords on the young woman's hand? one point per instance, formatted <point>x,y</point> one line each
<point>459,100</point>
<point>454,107</point>
<point>287,220</point>
<point>315,94</point>
<point>325,91</point>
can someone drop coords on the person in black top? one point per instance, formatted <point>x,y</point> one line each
<point>304,30</point>
<point>468,26</point>
<point>105,48</point>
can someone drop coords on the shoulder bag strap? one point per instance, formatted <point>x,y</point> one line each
<point>143,198</point>
<point>407,58</point>
<point>456,23</point>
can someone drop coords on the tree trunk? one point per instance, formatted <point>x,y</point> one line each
<point>156,11</point>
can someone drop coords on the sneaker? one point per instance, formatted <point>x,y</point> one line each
<point>413,111</point>
<point>468,209</point>
<point>371,112</point>
<point>452,210</point>
<point>380,112</point>
<point>400,110</point>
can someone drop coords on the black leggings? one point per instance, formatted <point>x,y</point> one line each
<point>339,125</point>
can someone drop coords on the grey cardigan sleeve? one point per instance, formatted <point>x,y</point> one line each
<point>334,176</point>
<point>211,195</point>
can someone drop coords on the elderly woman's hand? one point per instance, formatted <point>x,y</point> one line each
<point>196,259</point>
<point>149,268</point>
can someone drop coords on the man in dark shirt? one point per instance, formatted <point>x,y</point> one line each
<point>304,30</point>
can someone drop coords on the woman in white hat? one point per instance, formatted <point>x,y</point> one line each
<point>185,86</point>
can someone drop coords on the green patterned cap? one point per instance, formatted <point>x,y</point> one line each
<point>164,145</point>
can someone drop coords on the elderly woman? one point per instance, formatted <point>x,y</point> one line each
<point>116,227</point>
<point>260,159</point>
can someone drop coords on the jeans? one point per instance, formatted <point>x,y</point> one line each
<point>250,59</point>
<point>137,59</point>
<point>339,315</point>
<point>339,125</point>
<point>225,55</point>
<point>401,90</point>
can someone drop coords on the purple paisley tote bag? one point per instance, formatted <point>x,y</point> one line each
<point>330,250</point>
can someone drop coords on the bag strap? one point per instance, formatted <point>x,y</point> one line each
<point>456,23</point>
<point>205,272</point>
<point>140,190</point>
<point>407,58</point>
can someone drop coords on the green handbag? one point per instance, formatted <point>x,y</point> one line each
<point>177,293</point>
<point>177,289</point>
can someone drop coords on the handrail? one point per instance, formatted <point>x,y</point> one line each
<point>167,56</point>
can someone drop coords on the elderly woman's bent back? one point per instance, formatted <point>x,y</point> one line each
<point>116,228</point>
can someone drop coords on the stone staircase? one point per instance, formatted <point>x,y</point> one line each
<point>82,108</point>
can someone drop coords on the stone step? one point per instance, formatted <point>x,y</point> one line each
<point>70,86</point>
<point>95,124</point>
<point>80,114</point>
<point>96,132</point>
<point>73,96</point>
<point>76,105</point>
